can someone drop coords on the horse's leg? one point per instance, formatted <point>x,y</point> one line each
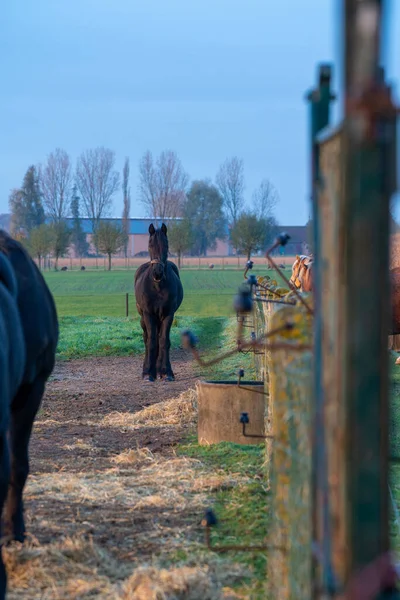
<point>165,345</point>
<point>23,412</point>
<point>145,370</point>
<point>4,481</point>
<point>151,325</point>
<point>159,355</point>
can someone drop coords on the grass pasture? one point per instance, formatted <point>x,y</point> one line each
<point>118,484</point>
<point>102,293</point>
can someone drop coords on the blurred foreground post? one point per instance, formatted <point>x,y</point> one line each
<point>369,176</point>
<point>353,178</point>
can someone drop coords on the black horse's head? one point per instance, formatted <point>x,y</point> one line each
<point>158,250</point>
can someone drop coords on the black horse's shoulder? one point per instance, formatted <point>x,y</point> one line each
<point>174,268</point>
<point>34,298</point>
<point>141,270</point>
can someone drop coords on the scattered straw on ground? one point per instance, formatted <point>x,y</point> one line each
<point>78,569</point>
<point>164,494</point>
<point>178,411</point>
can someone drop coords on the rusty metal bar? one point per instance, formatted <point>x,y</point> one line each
<point>189,342</point>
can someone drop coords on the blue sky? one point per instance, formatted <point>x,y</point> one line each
<point>207,78</point>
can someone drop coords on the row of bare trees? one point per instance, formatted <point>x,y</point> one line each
<point>206,207</point>
<point>54,184</point>
<point>163,187</point>
<point>95,178</point>
<point>56,190</point>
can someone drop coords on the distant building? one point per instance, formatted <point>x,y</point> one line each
<point>298,243</point>
<point>139,237</point>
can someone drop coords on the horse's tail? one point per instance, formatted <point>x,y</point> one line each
<point>7,276</point>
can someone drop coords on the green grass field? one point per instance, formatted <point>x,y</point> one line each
<point>102,293</point>
<point>91,293</point>
<point>91,308</point>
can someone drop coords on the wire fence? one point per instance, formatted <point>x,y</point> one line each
<point>132,263</point>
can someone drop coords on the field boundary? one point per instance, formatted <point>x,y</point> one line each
<point>101,263</point>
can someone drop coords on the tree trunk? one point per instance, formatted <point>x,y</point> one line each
<point>56,263</point>
<point>40,262</point>
<point>248,254</point>
<point>109,262</point>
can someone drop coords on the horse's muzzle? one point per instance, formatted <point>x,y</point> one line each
<point>295,283</point>
<point>158,271</point>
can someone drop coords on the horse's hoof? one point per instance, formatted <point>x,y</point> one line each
<point>148,378</point>
<point>169,378</point>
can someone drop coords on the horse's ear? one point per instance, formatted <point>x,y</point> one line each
<point>297,257</point>
<point>151,229</point>
<point>164,228</point>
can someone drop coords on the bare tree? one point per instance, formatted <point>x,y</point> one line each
<point>127,205</point>
<point>109,239</point>
<point>265,198</point>
<point>162,184</point>
<point>55,179</point>
<point>147,183</point>
<point>97,181</point>
<point>230,181</point>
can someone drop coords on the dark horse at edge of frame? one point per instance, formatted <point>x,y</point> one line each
<point>35,318</point>
<point>159,294</point>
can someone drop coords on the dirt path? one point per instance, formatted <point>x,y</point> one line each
<point>81,393</point>
<point>84,425</point>
<point>108,501</point>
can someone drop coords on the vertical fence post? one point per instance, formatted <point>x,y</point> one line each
<point>320,101</point>
<point>368,182</point>
<point>127,304</point>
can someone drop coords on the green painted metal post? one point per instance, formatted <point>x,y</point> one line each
<point>368,181</point>
<point>320,100</point>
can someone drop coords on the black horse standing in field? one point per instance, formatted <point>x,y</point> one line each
<point>159,294</point>
<point>29,336</point>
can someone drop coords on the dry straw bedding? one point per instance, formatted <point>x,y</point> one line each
<point>75,567</point>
